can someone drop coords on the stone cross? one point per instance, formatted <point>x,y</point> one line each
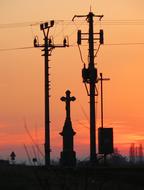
<point>68,99</point>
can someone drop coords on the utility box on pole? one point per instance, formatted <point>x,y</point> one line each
<point>105,140</point>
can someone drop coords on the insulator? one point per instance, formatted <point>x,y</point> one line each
<point>46,24</point>
<point>101,37</point>
<point>35,42</point>
<point>41,26</point>
<point>79,37</point>
<point>64,42</point>
<point>52,23</point>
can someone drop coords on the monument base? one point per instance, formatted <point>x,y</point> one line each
<point>68,158</point>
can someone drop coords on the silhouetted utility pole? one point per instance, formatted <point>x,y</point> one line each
<point>90,77</point>
<point>48,47</point>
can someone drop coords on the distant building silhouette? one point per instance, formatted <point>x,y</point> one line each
<point>68,155</point>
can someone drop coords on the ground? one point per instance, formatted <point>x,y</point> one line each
<point>14,177</point>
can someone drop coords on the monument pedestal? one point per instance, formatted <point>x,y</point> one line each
<point>68,158</point>
<point>68,155</point>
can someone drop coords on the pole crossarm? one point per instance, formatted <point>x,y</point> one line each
<point>87,16</point>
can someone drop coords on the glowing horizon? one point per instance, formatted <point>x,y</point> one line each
<point>22,79</point>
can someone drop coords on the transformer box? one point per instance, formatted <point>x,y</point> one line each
<point>105,140</point>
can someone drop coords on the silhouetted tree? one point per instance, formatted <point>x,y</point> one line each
<point>117,159</point>
<point>132,154</point>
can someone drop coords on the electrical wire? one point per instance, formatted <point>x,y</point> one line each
<point>69,22</point>
<point>25,24</point>
<point>28,155</point>
<point>18,25</point>
<point>83,111</point>
<point>81,55</point>
<point>17,48</point>
<point>124,44</point>
<point>31,138</point>
<point>82,124</point>
<point>123,22</point>
<point>74,45</point>
<point>29,24</point>
<point>97,50</point>
<point>62,30</point>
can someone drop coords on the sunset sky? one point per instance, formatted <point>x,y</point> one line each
<point>22,73</point>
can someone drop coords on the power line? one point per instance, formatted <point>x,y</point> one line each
<point>124,44</point>
<point>17,48</point>
<point>73,45</point>
<point>17,25</point>
<point>36,23</point>
<point>69,22</point>
<point>123,22</point>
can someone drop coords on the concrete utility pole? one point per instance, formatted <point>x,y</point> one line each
<point>90,76</point>
<point>48,47</point>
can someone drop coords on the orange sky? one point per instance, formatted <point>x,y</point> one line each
<point>21,74</point>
